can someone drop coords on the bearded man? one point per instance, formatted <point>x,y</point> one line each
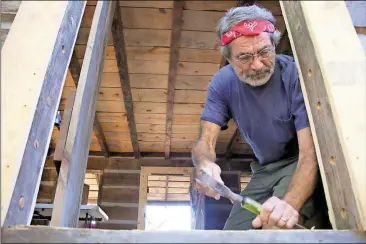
<point>261,92</point>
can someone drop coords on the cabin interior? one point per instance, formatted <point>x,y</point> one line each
<point>139,172</point>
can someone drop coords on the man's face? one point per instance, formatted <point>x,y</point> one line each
<point>255,71</point>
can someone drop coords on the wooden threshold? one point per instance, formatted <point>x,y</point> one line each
<point>38,234</point>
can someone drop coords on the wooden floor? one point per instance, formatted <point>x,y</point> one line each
<point>39,234</point>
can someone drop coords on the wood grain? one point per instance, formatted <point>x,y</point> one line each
<point>173,67</point>
<point>74,162</point>
<point>32,97</point>
<point>332,98</point>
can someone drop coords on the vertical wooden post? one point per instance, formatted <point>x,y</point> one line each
<point>72,173</point>
<point>332,72</point>
<point>35,57</point>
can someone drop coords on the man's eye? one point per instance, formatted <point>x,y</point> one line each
<point>245,57</point>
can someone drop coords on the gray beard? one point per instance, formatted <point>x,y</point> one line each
<point>258,78</point>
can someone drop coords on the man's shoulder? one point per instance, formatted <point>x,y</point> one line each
<point>288,68</point>
<point>223,78</point>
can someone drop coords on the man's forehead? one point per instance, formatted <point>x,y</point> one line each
<point>249,43</point>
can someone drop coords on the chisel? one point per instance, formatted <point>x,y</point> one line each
<point>245,202</point>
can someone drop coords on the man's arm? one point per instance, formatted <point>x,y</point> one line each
<point>305,176</point>
<point>285,212</point>
<point>203,150</point>
<point>204,155</point>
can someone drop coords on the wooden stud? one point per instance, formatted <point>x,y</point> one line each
<point>74,162</point>
<point>233,140</point>
<point>64,128</point>
<point>35,58</point>
<point>75,70</point>
<point>173,67</point>
<point>332,80</point>
<point>119,47</point>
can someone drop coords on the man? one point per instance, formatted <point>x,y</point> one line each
<point>261,92</point>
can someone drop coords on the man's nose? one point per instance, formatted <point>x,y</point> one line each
<point>256,64</point>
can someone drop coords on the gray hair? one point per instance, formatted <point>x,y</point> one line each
<point>235,15</point>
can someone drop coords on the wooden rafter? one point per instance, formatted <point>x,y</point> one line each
<point>33,74</point>
<point>173,66</point>
<point>74,162</point>
<point>120,50</point>
<point>75,70</point>
<point>332,80</point>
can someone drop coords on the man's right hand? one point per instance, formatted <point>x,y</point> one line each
<point>213,170</point>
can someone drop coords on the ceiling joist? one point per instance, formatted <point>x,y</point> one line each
<point>173,65</point>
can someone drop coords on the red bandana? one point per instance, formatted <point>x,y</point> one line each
<point>247,28</point>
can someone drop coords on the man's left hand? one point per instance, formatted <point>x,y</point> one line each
<point>278,213</point>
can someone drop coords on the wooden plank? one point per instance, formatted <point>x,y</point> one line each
<point>170,184</point>
<point>147,4</point>
<point>74,162</point>
<point>188,109</point>
<point>113,179</point>
<point>331,98</point>
<point>75,70</point>
<point>199,56</point>
<point>214,5</point>
<point>121,213</point>
<point>100,136</point>
<point>37,234</point>
<point>31,98</point>
<point>123,68</point>
<point>120,195</point>
<point>149,95</point>
<point>201,21</point>
<point>184,119</point>
<point>188,68</point>
<point>160,190</point>
<point>150,137</point>
<point>146,18</point>
<point>191,96</point>
<point>198,40</point>
<point>173,67</point>
<point>64,128</point>
<point>142,199</point>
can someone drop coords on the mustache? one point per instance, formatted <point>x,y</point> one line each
<point>257,73</point>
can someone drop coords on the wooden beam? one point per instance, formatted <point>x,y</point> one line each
<point>35,58</point>
<point>37,234</point>
<point>75,71</point>
<point>64,128</point>
<point>333,78</point>
<point>177,22</point>
<point>74,162</point>
<point>121,57</point>
<point>100,136</point>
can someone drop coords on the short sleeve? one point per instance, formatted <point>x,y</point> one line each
<point>298,108</point>
<point>216,108</point>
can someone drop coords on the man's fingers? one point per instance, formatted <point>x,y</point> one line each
<point>276,214</point>
<point>267,209</point>
<point>292,221</point>
<point>257,222</point>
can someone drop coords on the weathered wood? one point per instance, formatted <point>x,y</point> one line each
<point>332,79</point>
<point>33,73</point>
<point>75,70</point>
<point>173,68</point>
<point>39,234</point>
<point>64,128</point>
<point>100,136</point>
<point>74,161</point>
<point>119,46</point>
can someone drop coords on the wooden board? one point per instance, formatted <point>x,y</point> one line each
<point>30,98</point>
<point>74,162</point>
<point>37,234</point>
<point>332,80</point>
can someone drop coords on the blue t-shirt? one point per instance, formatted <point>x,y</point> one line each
<point>267,116</point>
